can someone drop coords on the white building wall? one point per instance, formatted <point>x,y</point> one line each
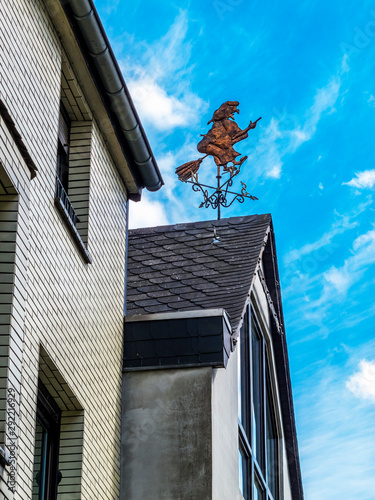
<point>263,310</point>
<point>73,310</point>
<point>225,431</point>
<point>225,467</point>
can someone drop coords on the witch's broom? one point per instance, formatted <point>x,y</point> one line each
<point>189,169</point>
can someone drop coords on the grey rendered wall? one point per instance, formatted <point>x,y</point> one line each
<point>166,435</point>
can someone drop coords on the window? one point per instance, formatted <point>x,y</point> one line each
<point>46,456</point>
<point>243,471</point>
<point>62,169</point>
<point>272,465</point>
<point>259,493</point>
<point>259,451</point>
<point>74,159</point>
<point>63,149</point>
<point>244,381</point>
<point>257,408</point>
<point>68,436</point>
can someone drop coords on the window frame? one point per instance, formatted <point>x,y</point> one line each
<point>253,324</point>
<point>63,146</point>
<point>62,200</point>
<point>48,416</point>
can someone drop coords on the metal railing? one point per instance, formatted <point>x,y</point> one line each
<point>61,194</point>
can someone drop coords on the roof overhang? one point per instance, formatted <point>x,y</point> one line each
<point>94,64</point>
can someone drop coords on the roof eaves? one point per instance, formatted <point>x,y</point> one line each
<point>116,97</point>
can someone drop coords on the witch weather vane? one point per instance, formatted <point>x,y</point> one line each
<point>218,143</point>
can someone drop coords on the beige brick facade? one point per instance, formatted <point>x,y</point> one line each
<point>61,319</point>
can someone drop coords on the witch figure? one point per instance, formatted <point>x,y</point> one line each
<point>219,142</point>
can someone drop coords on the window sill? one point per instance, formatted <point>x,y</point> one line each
<point>73,230</point>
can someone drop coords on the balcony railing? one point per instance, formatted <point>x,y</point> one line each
<point>62,195</point>
<point>67,211</point>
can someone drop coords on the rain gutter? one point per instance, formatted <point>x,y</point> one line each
<point>147,173</point>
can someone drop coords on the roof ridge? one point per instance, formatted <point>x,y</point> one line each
<point>199,224</point>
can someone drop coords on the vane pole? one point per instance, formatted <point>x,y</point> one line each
<point>218,192</point>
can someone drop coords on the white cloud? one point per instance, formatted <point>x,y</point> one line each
<point>321,185</point>
<point>275,172</point>
<point>363,180</point>
<point>325,241</point>
<point>159,83</point>
<point>168,162</point>
<point>364,249</point>
<point>157,107</point>
<point>339,279</point>
<point>324,101</point>
<point>147,214</point>
<point>328,420</point>
<point>314,288</point>
<point>362,383</point>
<point>344,64</point>
<point>364,239</point>
<point>268,152</point>
<point>285,134</point>
<point>170,202</point>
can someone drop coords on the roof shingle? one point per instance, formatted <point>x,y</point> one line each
<point>180,267</point>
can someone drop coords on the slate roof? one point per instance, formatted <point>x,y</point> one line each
<point>178,267</point>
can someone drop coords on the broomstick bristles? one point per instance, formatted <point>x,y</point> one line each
<point>188,169</point>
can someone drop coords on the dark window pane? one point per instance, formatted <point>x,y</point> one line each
<point>259,493</point>
<point>240,382</point>
<point>257,407</point>
<point>63,166</point>
<point>46,455</point>
<point>242,473</point>
<point>243,461</point>
<point>63,148</point>
<point>272,444</point>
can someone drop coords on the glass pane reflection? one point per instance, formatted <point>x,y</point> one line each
<point>257,410</point>
<point>243,474</point>
<point>258,492</point>
<point>272,444</point>
<point>40,462</point>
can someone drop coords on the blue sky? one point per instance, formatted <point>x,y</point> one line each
<point>308,69</point>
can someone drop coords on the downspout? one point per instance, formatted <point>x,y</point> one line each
<point>100,50</point>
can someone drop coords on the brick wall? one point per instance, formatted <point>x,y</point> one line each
<point>71,310</point>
